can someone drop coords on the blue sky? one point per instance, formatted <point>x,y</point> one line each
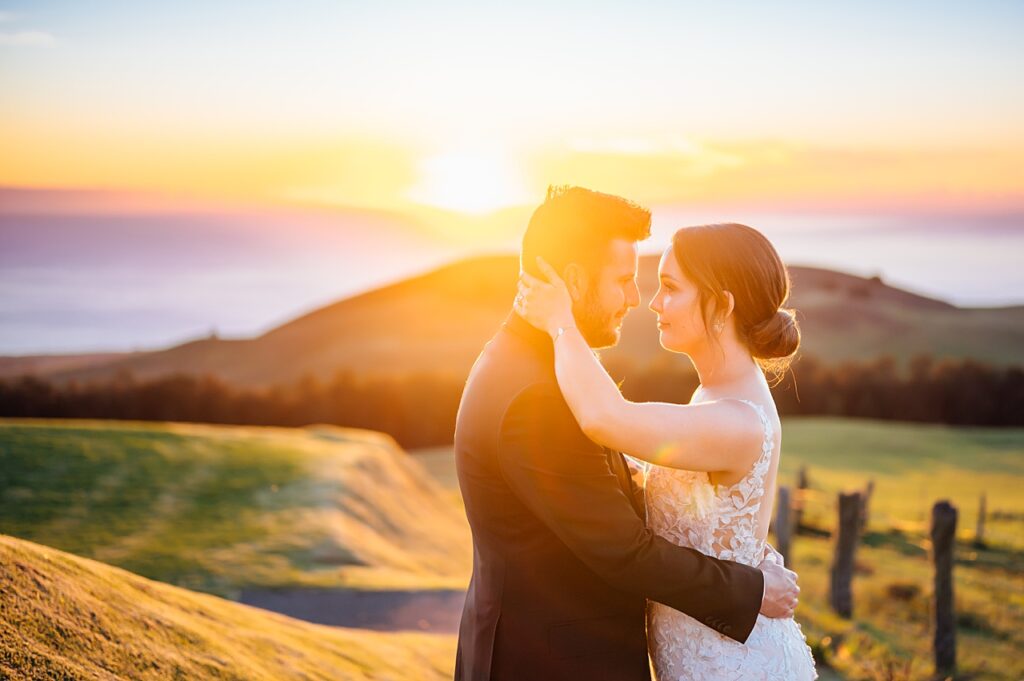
<point>910,73</point>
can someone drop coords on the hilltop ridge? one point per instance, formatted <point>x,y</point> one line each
<point>438,321</point>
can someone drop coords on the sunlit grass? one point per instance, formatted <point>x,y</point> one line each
<point>220,508</point>
<point>895,628</point>
<point>913,466</point>
<point>66,617</point>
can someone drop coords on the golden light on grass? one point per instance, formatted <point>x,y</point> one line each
<point>70,617</point>
<point>317,507</point>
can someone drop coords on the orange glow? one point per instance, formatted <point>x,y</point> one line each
<point>399,177</point>
<point>770,172</point>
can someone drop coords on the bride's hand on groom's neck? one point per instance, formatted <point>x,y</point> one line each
<point>547,305</point>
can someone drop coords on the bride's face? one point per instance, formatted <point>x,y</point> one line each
<point>677,304</point>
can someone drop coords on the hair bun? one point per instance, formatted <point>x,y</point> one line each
<point>777,336</point>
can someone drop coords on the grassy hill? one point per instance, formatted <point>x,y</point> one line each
<point>913,465</point>
<point>65,617</point>
<point>49,364</point>
<point>438,322</point>
<point>215,508</point>
<point>220,508</point>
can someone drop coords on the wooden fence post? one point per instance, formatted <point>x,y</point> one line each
<point>847,535</point>
<point>943,533</point>
<point>865,503</point>
<point>800,500</point>
<point>783,524</point>
<point>979,533</point>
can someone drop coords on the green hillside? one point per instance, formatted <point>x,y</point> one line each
<point>65,617</point>
<point>913,465</point>
<point>220,508</point>
<point>217,508</point>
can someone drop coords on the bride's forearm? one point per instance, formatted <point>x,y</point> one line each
<point>590,392</point>
<point>715,436</point>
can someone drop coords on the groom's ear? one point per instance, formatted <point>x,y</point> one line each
<point>575,278</point>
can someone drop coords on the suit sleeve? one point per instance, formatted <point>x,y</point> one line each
<point>565,479</point>
<point>636,484</point>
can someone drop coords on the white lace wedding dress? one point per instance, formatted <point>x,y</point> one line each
<point>722,521</point>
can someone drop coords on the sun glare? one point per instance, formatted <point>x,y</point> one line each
<point>468,182</point>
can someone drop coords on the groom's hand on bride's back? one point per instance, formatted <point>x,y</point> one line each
<point>780,590</point>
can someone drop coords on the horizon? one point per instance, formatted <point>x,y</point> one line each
<point>86,276</point>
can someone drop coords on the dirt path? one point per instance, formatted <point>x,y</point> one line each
<point>433,611</point>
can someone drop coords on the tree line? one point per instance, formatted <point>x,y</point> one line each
<point>419,410</point>
<point>951,391</point>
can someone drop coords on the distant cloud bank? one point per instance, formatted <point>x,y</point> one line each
<point>24,38</point>
<point>27,38</point>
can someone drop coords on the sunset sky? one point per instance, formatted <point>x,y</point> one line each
<point>171,168</point>
<point>475,107</point>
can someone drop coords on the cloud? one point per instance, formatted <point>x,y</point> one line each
<point>699,158</point>
<point>27,38</point>
<point>770,173</point>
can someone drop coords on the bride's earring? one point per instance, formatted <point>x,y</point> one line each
<point>719,327</point>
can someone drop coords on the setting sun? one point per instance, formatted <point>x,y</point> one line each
<point>469,182</point>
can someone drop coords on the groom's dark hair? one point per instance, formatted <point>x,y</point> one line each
<point>577,225</point>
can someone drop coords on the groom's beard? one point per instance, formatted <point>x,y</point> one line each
<point>599,327</point>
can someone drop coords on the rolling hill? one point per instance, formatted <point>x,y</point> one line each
<point>219,509</point>
<point>65,617</point>
<point>48,364</point>
<point>438,322</point>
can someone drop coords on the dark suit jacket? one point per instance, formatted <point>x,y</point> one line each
<point>562,559</point>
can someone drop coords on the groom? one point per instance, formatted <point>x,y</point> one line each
<point>562,560</point>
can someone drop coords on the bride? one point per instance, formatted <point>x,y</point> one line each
<point>712,464</point>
